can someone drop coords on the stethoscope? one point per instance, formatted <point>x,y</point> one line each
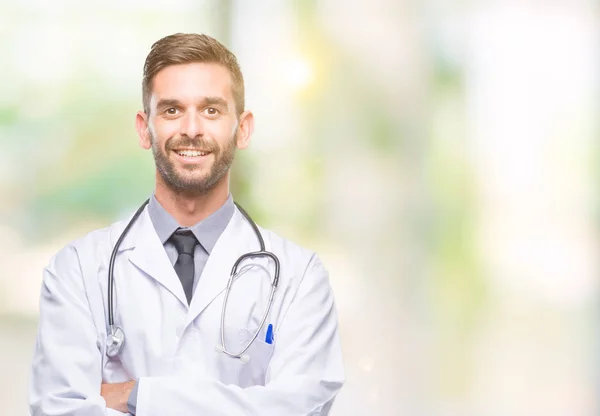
<point>116,337</point>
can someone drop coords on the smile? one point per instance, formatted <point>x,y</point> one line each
<point>191,153</point>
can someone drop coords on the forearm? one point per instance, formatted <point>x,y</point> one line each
<point>51,393</point>
<point>297,396</point>
<point>71,406</point>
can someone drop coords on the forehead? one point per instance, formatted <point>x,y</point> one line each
<point>193,81</point>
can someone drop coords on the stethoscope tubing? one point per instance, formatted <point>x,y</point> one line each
<point>262,253</point>
<point>111,264</point>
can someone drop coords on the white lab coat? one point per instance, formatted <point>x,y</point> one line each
<point>170,348</point>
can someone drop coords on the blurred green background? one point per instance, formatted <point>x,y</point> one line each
<point>442,158</point>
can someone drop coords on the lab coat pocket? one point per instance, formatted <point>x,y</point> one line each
<point>251,369</point>
<point>259,355</point>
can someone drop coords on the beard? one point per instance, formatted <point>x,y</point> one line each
<point>187,182</point>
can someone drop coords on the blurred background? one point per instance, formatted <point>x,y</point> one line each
<point>441,156</point>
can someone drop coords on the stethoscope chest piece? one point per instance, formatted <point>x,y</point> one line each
<point>114,341</point>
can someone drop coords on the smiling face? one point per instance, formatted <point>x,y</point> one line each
<point>192,127</point>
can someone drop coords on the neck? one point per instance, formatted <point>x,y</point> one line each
<point>190,208</point>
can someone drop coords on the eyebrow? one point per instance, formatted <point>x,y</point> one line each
<point>171,102</point>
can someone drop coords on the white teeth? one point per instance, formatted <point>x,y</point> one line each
<point>191,153</point>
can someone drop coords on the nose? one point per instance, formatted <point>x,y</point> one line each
<point>191,125</point>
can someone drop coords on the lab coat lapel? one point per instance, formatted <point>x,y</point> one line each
<point>149,255</point>
<point>234,241</point>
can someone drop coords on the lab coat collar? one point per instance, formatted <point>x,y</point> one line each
<point>149,256</point>
<point>130,239</point>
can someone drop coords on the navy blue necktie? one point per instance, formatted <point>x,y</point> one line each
<point>185,242</point>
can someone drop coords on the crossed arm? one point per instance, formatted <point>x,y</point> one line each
<point>305,372</point>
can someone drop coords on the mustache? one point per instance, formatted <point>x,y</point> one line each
<point>197,143</point>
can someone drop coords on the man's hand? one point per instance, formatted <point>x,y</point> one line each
<point>116,395</point>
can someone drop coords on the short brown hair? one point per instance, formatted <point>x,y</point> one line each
<point>185,48</point>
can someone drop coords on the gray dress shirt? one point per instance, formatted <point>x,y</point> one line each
<point>206,231</point>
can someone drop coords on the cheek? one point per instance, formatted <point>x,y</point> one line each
<point>162,131</point>
<point>222,132</point>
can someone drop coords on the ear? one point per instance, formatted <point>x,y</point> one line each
<point>141,125</point>
<point>245,130</point>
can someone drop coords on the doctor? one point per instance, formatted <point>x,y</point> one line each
<point>181,351</point>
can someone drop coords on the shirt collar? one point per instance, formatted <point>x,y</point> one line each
<point>206,231</point>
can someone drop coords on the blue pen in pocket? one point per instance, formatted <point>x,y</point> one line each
<point>269,337</point>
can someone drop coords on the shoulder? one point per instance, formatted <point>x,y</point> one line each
<point>303,260</point>
<point>93,244</point>
<point>304,279</point>
<point>284,246</point>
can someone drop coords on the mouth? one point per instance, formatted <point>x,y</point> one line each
<point>191,155</point>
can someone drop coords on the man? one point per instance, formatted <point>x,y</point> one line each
<point>185,353</point>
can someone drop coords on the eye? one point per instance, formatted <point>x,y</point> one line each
<point>172,111</point>
<point>212,111</point>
